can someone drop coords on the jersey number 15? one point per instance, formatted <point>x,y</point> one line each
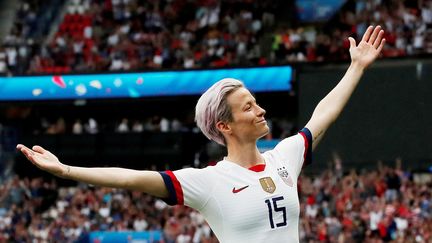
<point>274,209</point>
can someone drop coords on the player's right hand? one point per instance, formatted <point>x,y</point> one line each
<point>43,159</point>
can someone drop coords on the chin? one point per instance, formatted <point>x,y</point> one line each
<point>265,132</point>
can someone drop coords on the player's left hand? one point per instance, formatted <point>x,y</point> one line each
<point>369,47</point>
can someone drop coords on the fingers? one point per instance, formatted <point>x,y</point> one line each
<point>23,148</point>
<point>367,34</point>
<point>379,39</point>
<point>374,35</point>
<point>26,151</point>
<point>352,42</point>
<point>380,47</point>
<point>35,148</point>
<point>38,149</point>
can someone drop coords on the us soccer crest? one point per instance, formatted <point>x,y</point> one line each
<point>267,184</point>
<point>283,173</point>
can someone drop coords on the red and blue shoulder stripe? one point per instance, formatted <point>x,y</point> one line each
<point>307,136</point>
<point>174,188</point>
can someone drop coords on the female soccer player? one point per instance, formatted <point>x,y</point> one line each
<point>248,196</point>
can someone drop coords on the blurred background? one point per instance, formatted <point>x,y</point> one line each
<point>115,83</point>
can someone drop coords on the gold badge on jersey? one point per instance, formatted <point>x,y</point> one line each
<point>267,184</point>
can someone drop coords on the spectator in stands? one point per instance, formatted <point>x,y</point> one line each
<point>3,63</point>
<point>77,127</point>
<point>91,126</point>
<point>137,126</point>
<point>123,127</point>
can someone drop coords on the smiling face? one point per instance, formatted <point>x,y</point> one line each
<point>248,123</point>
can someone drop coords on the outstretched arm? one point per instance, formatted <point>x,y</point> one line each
<point>150,182</point>
<point>329,108</point>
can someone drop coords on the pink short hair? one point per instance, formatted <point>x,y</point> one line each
<point>212,107</point>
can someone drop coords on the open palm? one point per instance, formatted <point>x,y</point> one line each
<point>43,159</point>
<point>369,47</point>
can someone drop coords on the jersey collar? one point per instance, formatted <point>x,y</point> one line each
<point>258,168</point>
<point>255,168</point>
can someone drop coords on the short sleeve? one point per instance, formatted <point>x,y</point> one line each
<point>190,187</point>
<point>295,151</point>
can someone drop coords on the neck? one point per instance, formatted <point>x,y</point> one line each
<point>244,154</point>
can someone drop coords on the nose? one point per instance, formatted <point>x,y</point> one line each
<point>261,111</point>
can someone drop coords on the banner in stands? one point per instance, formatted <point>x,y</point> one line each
<point>136,85</point>
<point>317,10</point>
<point>124,236</point>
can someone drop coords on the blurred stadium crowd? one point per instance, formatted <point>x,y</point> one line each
<point>114,35</point>
<point>384,205</point>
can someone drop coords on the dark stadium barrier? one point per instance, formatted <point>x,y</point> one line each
<point>145,150</point>
<point>388,116</point>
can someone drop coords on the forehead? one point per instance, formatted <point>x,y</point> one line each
<point>239,98</point>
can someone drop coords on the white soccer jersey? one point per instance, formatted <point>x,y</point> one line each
<point>259,204</point>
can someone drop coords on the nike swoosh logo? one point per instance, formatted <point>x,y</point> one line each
<point>240,189</point>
